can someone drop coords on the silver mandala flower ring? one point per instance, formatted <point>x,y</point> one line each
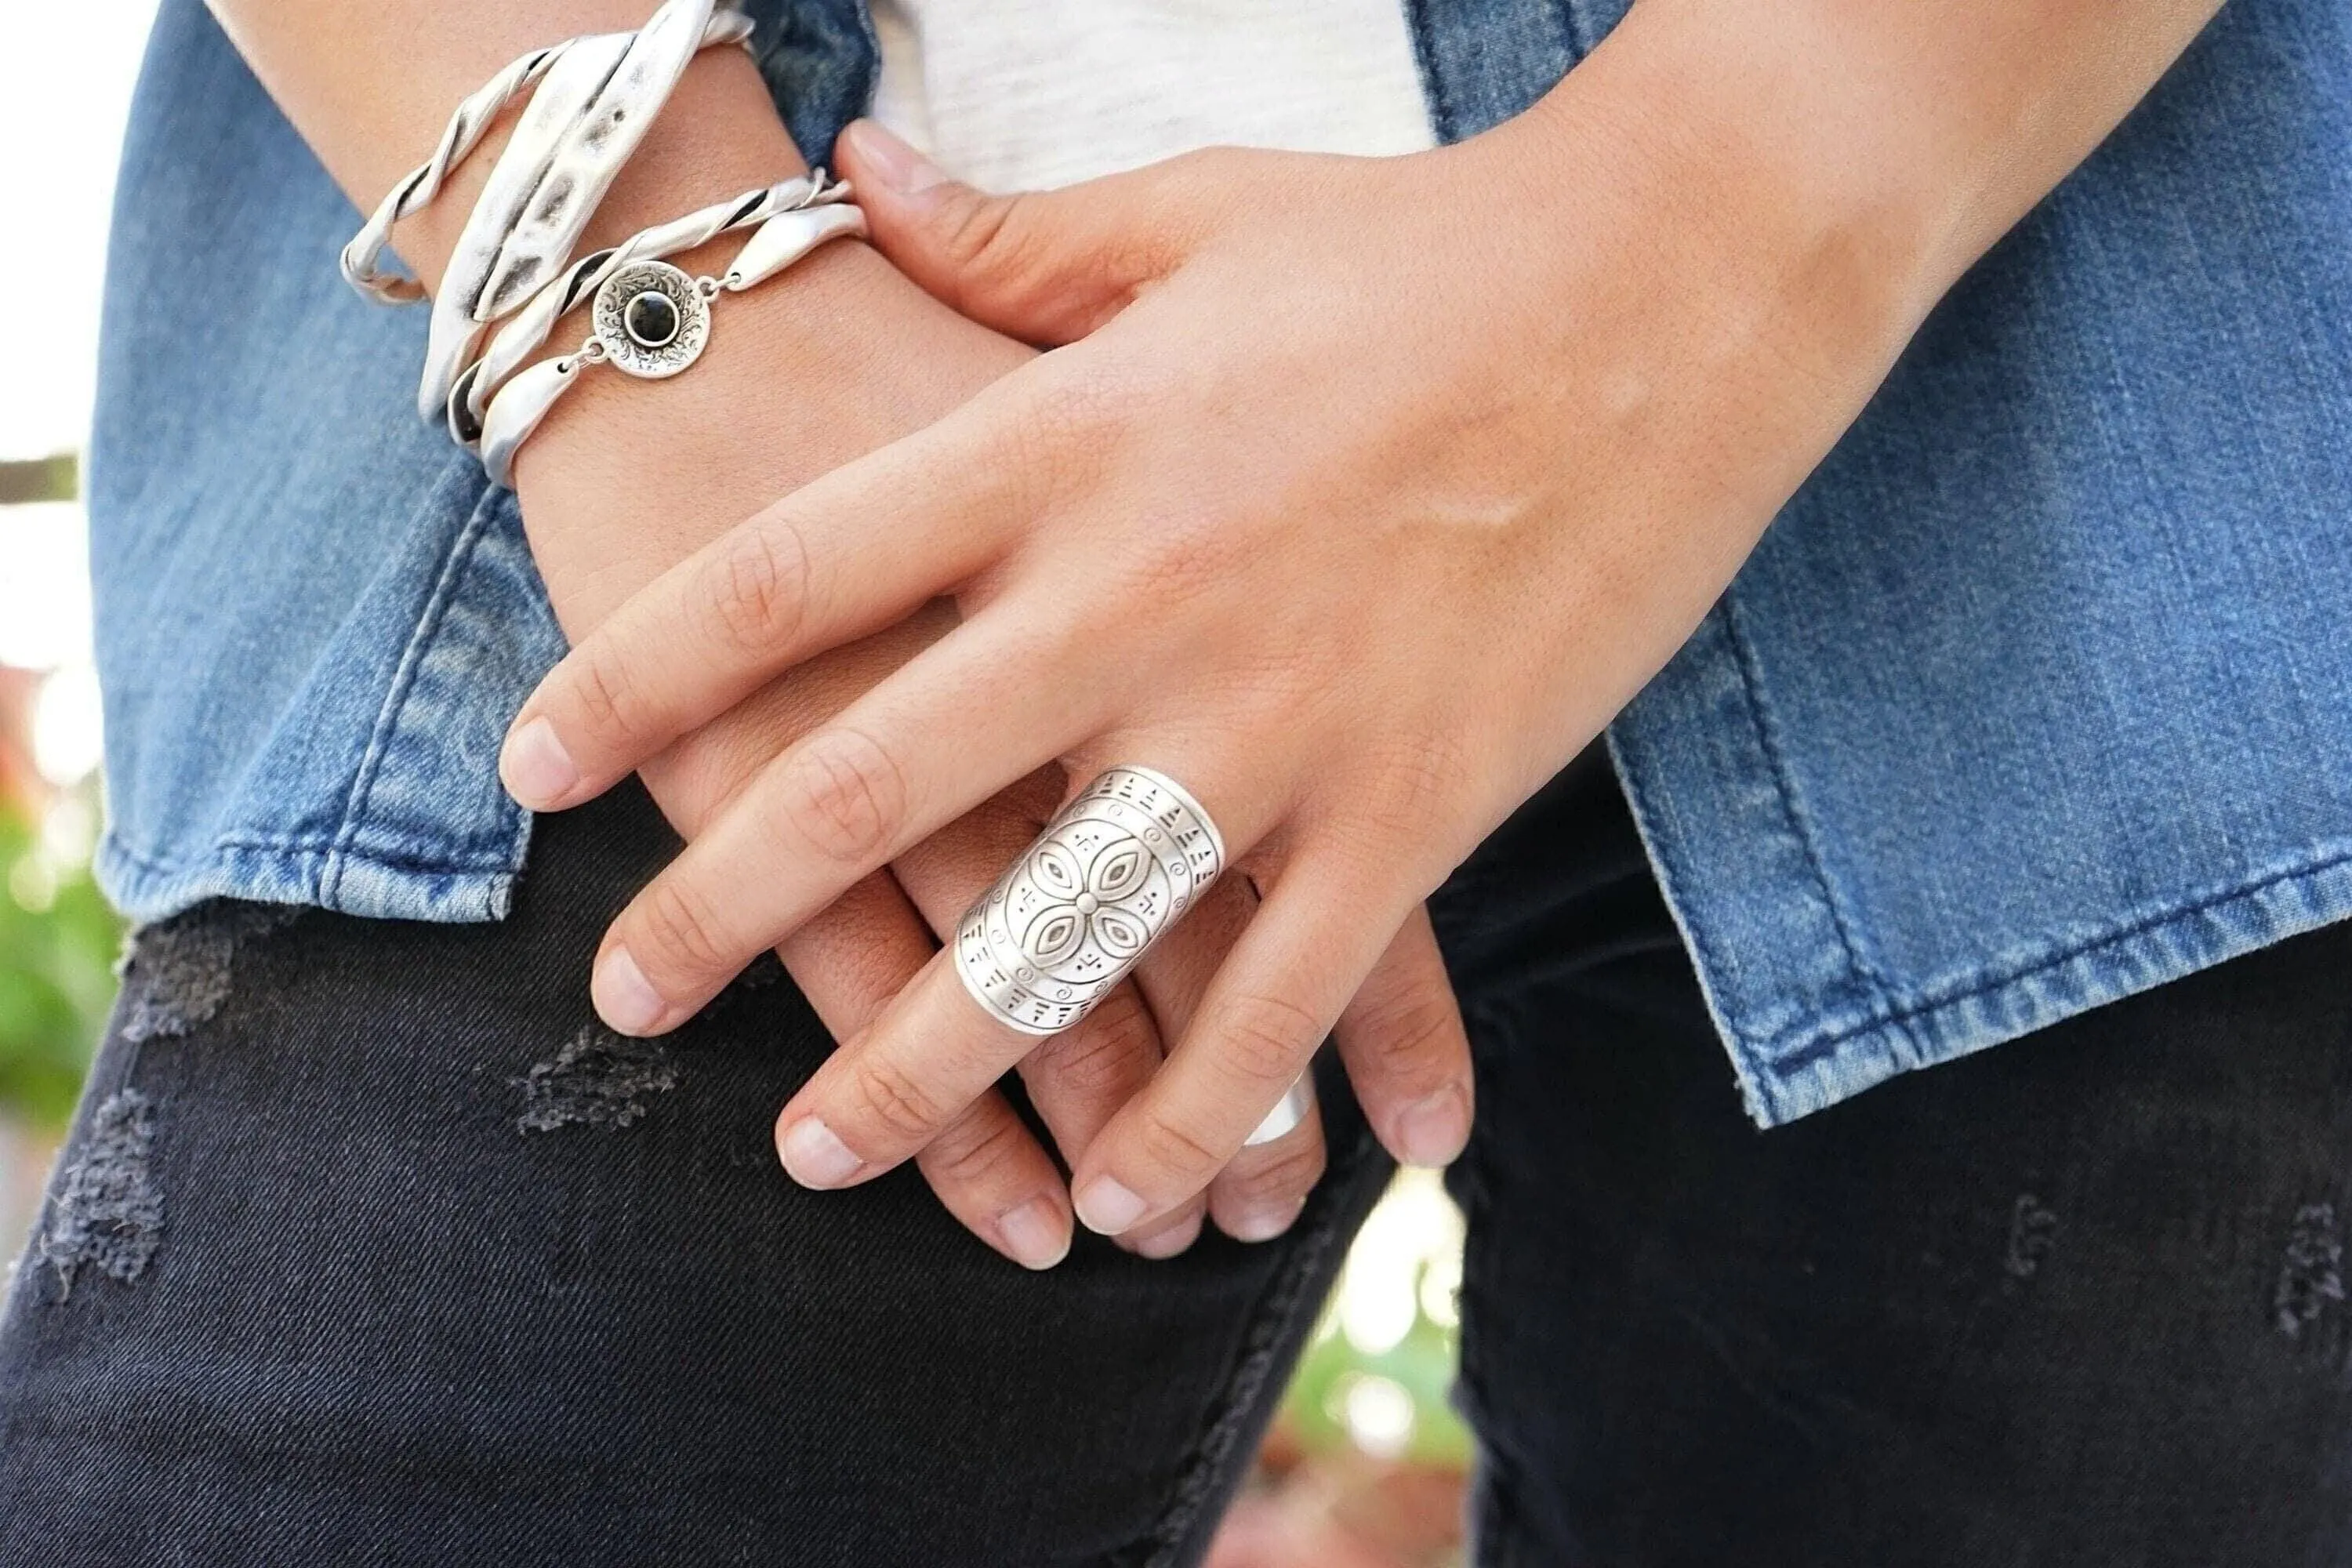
<point>1074,915</point>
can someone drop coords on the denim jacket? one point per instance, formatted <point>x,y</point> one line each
<point>2038,694</point>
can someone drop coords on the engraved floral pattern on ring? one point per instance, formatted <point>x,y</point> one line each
<point>1072,917</point>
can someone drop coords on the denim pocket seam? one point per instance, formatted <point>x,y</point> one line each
<point>480,515</point>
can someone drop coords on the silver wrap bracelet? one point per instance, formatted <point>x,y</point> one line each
<point>651,320</point>
<point>362,259</point>
<point>591,108</point>
<point>522,335</point>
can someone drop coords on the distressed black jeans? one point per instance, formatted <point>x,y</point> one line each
<point>369,1247</point>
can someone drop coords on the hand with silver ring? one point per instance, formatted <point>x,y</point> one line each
<point>842,357</point>
<point>1361,495</point>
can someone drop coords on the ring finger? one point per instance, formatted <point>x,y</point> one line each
<point>1260,1193</point>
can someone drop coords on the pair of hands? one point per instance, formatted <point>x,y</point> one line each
<point>1363,494</point>
<point>610,499</point>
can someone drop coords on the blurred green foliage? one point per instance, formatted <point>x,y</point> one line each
<point>1421,1366</point>
<point>58,939</point>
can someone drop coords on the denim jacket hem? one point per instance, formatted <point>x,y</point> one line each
<point>1809,1010</point>
<point>344,880</point>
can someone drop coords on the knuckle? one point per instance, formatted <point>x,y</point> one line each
<point>973,1152</point>
<point>847,794</point>
<point>1423,782</point>
<point>1103,1053</point>
<point>1169,1145</point>
<point>1067,427</point>
<point>1407,1032</point>
<point>681,929</point>
<point>892,1100</point>
<point>604,692</point>
<point>1264,1039</point>
<point>1284,1177</point>
<point>758,588</point>
<point>992,238</point>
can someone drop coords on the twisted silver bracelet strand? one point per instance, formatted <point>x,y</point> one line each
<point>362,259</point>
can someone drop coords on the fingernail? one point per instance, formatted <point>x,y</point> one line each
<point>902,168</point>
<point>813,1157</point>
<point>1106,1208</point>
<point>1263,1224</point>
<point>1033,1232</point>
<point>1431,1130</point>
<point>1171,1241</point>
<point>537,771</point>
<point>624,999</point>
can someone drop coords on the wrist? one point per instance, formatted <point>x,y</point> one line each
<point>1848,158</point>
<point>1778,198</point>
<point>835,357</point>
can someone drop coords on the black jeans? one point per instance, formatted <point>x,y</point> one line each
<point>369,1247</point>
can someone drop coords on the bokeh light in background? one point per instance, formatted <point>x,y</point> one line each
<point>1364,1469</point>
<point>65,85</point>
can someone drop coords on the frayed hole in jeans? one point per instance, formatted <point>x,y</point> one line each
<point>598,1079</point>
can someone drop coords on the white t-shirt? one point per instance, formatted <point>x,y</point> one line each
<point>1028,94</point>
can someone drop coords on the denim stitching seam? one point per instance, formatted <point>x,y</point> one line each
<point>308,845</point>
<point>411,659</point>
<point>1937,1000</point>
<point>1800,827</point>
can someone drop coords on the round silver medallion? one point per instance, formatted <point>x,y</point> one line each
<point>651,320</point>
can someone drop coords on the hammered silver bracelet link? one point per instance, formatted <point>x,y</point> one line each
<point>592,109</point>
<point>363,259</point>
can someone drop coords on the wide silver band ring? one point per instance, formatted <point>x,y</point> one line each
<point>1074,915</point>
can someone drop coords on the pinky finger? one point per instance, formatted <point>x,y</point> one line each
<point>1406,1052</point>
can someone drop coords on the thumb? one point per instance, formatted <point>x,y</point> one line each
<point>1047,266</point>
